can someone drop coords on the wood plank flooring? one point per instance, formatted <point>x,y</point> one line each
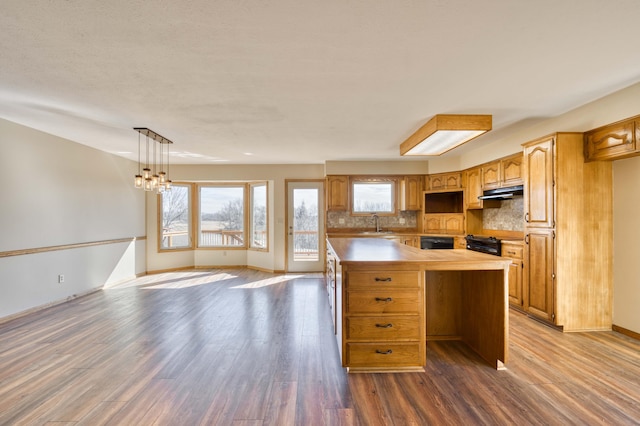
<point>240,347</point>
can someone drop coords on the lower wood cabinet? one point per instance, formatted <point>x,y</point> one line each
<point>384,322</point>
<point>539,287</point>
<point>514,251</point>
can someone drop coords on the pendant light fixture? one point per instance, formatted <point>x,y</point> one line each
<point>153,177</point>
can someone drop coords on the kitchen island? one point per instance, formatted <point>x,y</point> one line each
<point>391,298</point>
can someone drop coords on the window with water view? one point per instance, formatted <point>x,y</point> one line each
<point>221,216</point>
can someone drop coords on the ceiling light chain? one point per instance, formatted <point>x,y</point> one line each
<point>153,177</point>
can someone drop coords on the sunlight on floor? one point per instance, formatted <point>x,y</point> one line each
<point>190,281</point>
<point>268,281</point>
<point>186,279</point>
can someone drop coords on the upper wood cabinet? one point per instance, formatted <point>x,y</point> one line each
<point>491,175</point>
<point>613,141</point>
<point>411,193</point>
<point>504,172</point>
<point>473,189</point>
<point>337,192</point>
<point>539,176</point>
<point>444,181</point>
<point>511,170</point>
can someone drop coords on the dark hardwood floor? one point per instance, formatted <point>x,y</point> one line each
<point>239,347</point>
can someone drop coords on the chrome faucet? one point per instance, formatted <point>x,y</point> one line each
<point>376,219</point>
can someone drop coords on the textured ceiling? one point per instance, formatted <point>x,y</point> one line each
<point>299,81</point>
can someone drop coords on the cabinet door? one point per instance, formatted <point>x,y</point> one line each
<point>453,180</point>
<point>453,223</point>
<point>411,193</point>
<point>511,169</point>
<point>515,283</point>
<point>539,184</point>
<point>539,273</point>
<point>473,189</point>
<point>491,175</point>
<point>441,181</point>
<point>337,193</point>
<point>432,223</point>
<point>459,243</point>
<point>610,142</point>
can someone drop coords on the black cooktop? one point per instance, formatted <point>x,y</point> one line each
<point>490,245</point>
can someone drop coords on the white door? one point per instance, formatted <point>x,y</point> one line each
<point>305,226</point>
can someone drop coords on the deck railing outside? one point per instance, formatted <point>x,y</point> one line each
<point>305,243</point>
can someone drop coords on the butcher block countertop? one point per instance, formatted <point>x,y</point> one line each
<point>381,251</point>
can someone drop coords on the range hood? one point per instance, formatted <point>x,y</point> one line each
<point>506,193</point>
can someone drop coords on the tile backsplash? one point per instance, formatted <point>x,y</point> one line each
<point>508,217</point>
<point>363,222</point>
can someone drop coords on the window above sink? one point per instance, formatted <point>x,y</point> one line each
<point>373,195</point>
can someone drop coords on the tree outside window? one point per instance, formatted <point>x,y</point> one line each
<point>259,216</point>
<point>221,216</point>
<point>175,213</point>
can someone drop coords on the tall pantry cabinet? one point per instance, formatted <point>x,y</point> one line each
<point>568,205</point>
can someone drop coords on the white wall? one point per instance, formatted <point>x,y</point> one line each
<point>626,250</point>
<point>55,193</point>
<point>271,260</point>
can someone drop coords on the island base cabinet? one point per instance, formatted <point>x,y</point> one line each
<point>383,355</point>
<point>383,326</point>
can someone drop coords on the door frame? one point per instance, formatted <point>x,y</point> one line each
<point>321,210</point>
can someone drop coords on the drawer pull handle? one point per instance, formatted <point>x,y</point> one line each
<point>383,280</point>
<point>389,325</point>
<point>380,299</point>
<point>387,352</point>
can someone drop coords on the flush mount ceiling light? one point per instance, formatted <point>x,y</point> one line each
<point>153,177</point>
<point>444,132</point>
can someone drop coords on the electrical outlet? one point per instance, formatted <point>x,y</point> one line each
<point>341,221</point>
<point>401,220</point>
<point>224,253</point>
<point>60,279</point>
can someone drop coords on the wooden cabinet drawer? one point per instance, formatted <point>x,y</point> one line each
<point>374,280</point>
<point>383,302</point>
<point>512,250</point>
<point>383,328</point>
<point>383,354</point>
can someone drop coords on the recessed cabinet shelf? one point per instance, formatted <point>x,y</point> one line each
<point>443,202</point>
